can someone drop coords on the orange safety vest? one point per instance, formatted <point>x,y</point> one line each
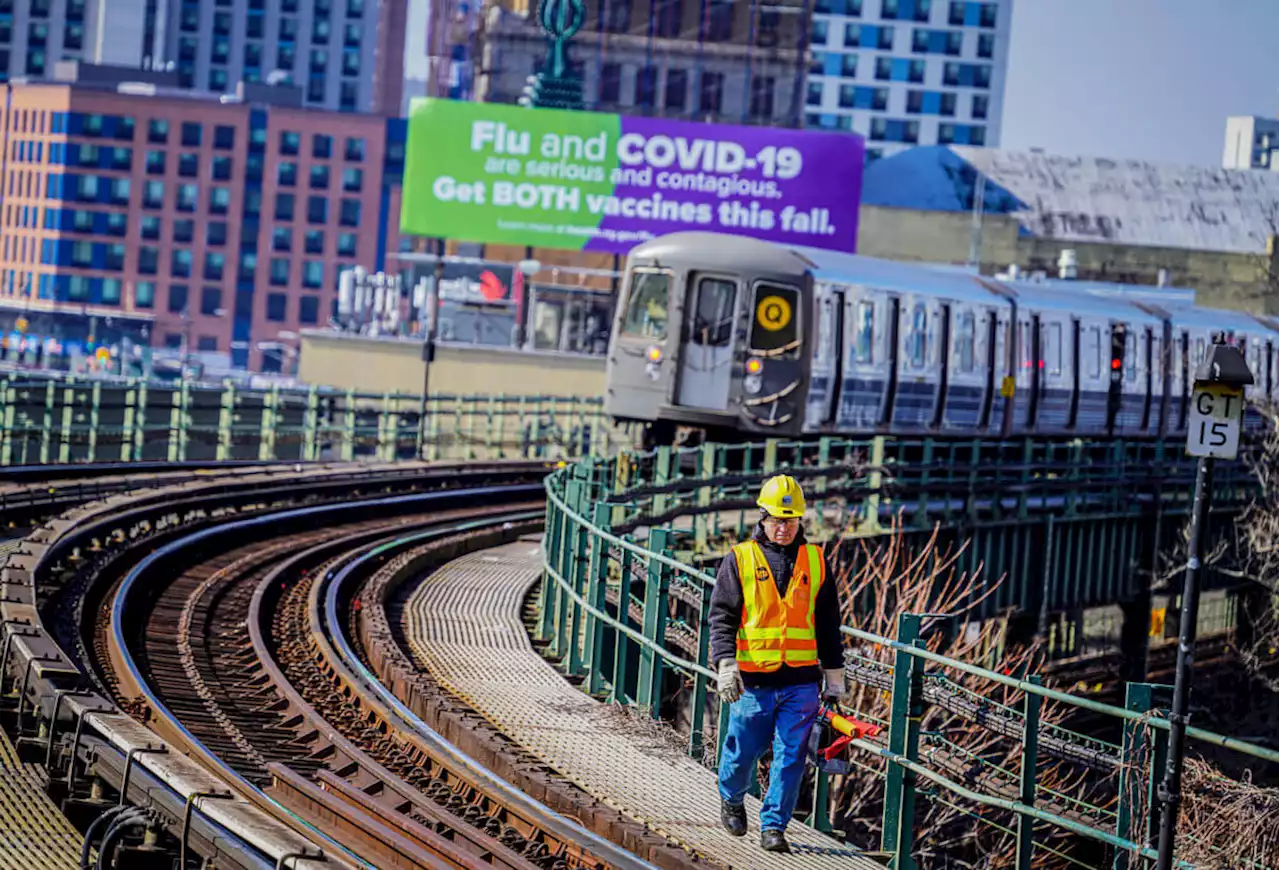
<point>776,630</point>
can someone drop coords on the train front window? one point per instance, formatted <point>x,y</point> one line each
<point>775,322</point>
<point>713,314</point>
<point>863,333</point>
<point>647,305</point>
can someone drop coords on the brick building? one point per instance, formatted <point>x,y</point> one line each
<point>182,220</point>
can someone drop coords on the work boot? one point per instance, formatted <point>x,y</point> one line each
<point>733,817</point>
<point>774,841</point>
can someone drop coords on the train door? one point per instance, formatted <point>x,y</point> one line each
<point>917,386</point>
<point>893,355</point>
<point>1146,375</point>
<point>826,366</point>
<point>968,378</point>
<point>1029,378</point>
<point>993,369</point>
<point>945,327</point>
<point>1074,357</point>
<point>706,351</point>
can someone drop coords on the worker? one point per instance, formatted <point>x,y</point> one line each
<point>775,638</point>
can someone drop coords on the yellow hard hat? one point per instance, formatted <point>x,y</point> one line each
<point>781,496</point>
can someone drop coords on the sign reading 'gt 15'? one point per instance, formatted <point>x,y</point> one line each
<point>1213,424</point>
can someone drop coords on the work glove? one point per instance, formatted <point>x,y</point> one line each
<point>833,687</point>
<point>729,682</point>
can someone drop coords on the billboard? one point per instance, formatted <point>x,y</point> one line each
<point>590,181</point>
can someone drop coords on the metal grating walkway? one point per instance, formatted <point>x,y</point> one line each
<point>463,625</point>
<point>33,834</point>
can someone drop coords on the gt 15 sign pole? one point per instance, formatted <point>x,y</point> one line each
<point>1213,432</point>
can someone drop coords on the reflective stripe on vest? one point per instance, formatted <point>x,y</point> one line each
<point>776,630</point>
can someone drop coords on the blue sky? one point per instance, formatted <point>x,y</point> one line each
<point>1147,79</point>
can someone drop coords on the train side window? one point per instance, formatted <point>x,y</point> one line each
<point>864,332</point>
<point>1130,356</point>
<point>1093,352</point>
<point>918,345</point>
<point>713,316</point>
<point>1053,349</point>
<point>965,334</point>
<point>647,305</point>
<point>775,322</point>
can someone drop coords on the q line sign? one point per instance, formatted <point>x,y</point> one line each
<point>1213,424</point>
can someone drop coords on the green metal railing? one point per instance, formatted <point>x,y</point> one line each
<point>620,607</point>
<point>48,420</point>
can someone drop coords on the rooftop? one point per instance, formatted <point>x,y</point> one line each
<point>1086,199</point>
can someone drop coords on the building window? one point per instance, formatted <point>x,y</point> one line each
<point>153,194</point>
<point>149,227</point>
<point>219,200</point>
<point>158,131</point>
<point>177,298</point>
<point>352,180</point>
<point>677,90</point>
<point>276,303</point>
<point>281,239</point>
<point>987,15</point>
<point>210,300</point>
<point>762,98</point>
<point>646,87</point>
<point>222,168</point>
<point>187,196</point>
<point>711,94</point>
<point>287,174</point>
<point>279,272</point>
<point>346,244</point>
<point>191,134</point>
<point>207,343</point>
<point>948,105</point>
<point>321,146</point>
<point>289,142</point>
<point>352,34</point>
<point>180,263</point>
<point>224,137</point>
<point>814,95</point>
<point>155,163</point>
<point>284,206</point>
<point>120,191</point>
<point>849,66</point>
<point>319,177</point>
<point>313,242</point>
<point>955,13</point>
<point>184,230</point>
<point>986,45</point>
<point>915,102</point>
<point>82,254</point>
<point>144,294</point>
<point>978,136</point>
<point>215,233</point>
<point>248,265</point>
<point>317,210</point>
<point>173,340</point>
<point>313,274</point>
<point>308,309</point>
<point>348,92</point>
<point>115,260</point>
<point>819,31</point>
<point>720,21</point>
<point>214,263</point>
<point>610,83</point>
<point>189,165</point>
<point>354,150</point>
<point>350,213</point>
<point>978,109</point>
<point>667,18</point>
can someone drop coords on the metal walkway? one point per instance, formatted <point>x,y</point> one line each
<point>33,834</point>
<point>463,625</point>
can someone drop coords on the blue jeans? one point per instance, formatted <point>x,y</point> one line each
<point>761,715</point>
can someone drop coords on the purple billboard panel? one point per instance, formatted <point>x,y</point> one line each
<point>790,186</point>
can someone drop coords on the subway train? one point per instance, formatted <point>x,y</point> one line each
<point>729,338</point>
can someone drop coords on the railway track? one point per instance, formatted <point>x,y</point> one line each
<point>268,705</point>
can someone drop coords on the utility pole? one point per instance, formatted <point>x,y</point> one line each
<point>1213,432</point>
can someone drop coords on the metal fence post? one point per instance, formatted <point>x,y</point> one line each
<point>95,411</point>
<point>226,422</point>
<point>579,540</point>
<point>870,524</point>
<point>698,712</point>
<point>906,710</point>
<point>597,580</point>
<point>1030,753</point>
<point>622,643</point>
<point>564,564</point>
<point>657,584</point>
<point>551,557</point>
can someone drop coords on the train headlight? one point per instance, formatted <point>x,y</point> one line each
<point>653,354</point>
<point>755,366</point>
<point>752,384</point>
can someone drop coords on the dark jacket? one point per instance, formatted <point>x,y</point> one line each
<point>726,615</point>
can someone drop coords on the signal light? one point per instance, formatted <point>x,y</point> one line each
<point>1115,364</point>
<point>755,366</point>
<point>654,354</point>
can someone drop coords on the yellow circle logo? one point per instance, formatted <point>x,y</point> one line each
<point>773,313</point>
